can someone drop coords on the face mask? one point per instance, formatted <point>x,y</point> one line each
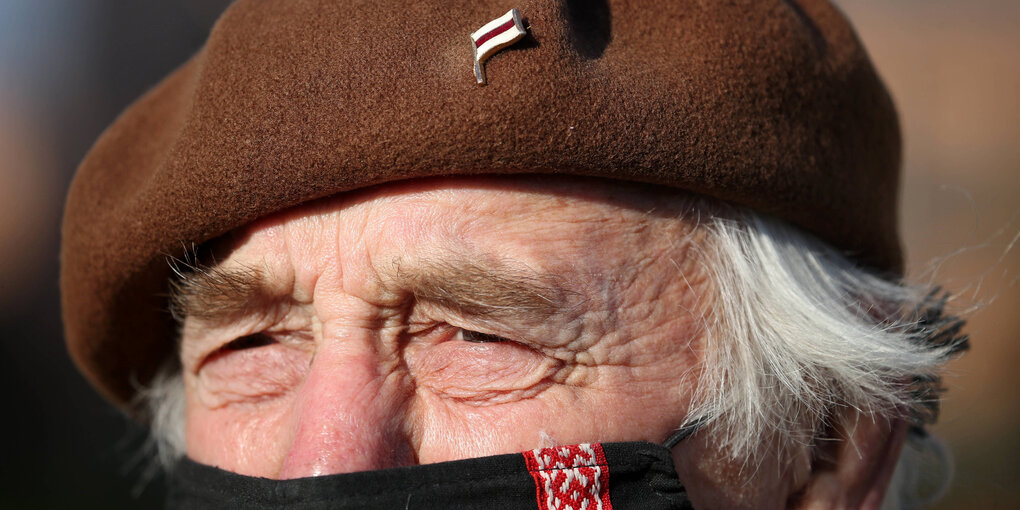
<point>589,476</point>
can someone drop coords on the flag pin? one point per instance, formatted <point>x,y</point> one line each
<point>494,36</point>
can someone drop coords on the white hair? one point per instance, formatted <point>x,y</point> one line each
<point>796,332</point>
<point>163,403</point>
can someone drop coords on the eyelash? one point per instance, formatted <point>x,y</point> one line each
<point>249,342</point>
<point>480,338</point>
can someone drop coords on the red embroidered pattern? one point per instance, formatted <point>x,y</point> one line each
<point>572,477</point>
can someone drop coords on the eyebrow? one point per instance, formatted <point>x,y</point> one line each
<point>490,291</point>
<point>493,290</point>
<point>216,293</point>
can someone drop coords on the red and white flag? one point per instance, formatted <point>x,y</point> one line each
<point>494,36</point>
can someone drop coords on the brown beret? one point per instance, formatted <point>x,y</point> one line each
<point>768,104</point>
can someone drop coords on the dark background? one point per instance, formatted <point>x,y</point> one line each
<point>67,67</point>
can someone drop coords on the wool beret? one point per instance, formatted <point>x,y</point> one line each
<point>768,104</point>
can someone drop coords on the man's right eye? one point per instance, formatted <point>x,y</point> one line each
<point>251,368</point>
<point>249,342</point>
<point>242,343</point>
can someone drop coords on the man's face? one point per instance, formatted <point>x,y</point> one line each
<point>442,320</point>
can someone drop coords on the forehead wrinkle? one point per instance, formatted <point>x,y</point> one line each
<point>355,246</point>
<point>304,240</point>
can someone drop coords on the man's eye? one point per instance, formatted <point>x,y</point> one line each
<point>480,338</point>
<point>480,368</point>
<point>251,368</point>
<point>249,342</point>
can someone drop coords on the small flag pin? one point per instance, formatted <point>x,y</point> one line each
<point>494,36</point>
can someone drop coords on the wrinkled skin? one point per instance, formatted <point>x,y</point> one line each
<point>369,353</point>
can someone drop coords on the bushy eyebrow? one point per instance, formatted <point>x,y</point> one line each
<point>216,293</point>
<point>492,291</point>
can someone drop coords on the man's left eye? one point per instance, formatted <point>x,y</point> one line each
<point>479,338</point>
<point>479,368</point>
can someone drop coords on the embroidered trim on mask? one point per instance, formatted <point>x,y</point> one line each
<point>572,477</point>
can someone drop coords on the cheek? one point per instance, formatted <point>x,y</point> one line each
<point>249,441</point>
<point>617,406</point>
<point>451,431</point>
<point>238,409</point>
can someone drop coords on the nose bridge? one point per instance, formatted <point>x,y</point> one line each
<point>349,412</point>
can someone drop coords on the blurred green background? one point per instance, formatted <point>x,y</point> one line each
<point>67,67</point>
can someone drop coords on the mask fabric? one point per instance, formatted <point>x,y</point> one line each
<point>590,476</point>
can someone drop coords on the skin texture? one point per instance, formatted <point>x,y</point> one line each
<point>358,349</point>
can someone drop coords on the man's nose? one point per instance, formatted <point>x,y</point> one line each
<point>348,414</point>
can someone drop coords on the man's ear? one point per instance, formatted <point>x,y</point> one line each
<point>853,467</point>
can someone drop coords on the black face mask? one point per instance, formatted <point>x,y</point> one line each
<point>591,476</point>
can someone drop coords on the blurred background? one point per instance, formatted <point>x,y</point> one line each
<point>67,67</point>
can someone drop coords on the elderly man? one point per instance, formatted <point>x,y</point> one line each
<point>653,247</point>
